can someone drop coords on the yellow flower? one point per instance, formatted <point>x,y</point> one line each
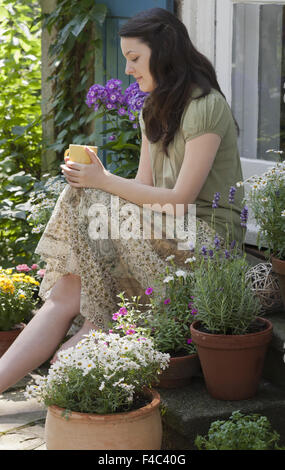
<point>22,296</point>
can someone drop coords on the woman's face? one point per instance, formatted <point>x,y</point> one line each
<point>137,55</point>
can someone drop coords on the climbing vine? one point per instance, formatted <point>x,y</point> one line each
<point>78,39</point>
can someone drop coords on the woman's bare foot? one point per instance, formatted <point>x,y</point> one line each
<point>84,330</point>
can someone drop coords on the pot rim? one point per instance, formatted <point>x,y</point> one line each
<point>232,341</point>
<point>278,265</point>
<point>13,331</point>
<point>132,415</point>
<point>188,356</point>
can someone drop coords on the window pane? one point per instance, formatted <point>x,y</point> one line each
<point>258,79</point>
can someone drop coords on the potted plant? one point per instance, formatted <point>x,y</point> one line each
<point>240,432</point>
<point>97,397</point>
<point>167,320</point>
<point>17,300</point>
<point>266,199</point>
<point>230,336</point>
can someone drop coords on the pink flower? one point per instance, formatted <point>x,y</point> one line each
<point>149,291</point>
<point>116,316</point>
<point>34,266</point>
<point>123,311</point>
<point>110,331</point>
<point>167,301</point>
<point>23,268</point>
<point>189,341</point>
<point>130,331</point>
<point>41,272</point>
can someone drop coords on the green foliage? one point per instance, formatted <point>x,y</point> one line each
<point>73,54</point>
<point>222,293</point>
<point>20,124</point>
<point>42,201</point>
<point>240,432</point>
<point>266,199</point>
<point>20,80</point>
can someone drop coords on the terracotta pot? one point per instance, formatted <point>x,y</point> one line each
<point>278,266</point>
<point>232,364</point>
<point>135,430</point>
<point>8,337</point>
<point>180,371</point>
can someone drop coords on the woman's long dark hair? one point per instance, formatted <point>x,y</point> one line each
<point>176,67</point>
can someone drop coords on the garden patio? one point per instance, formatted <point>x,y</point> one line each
<point>58,107</point>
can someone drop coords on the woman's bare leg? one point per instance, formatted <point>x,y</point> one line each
<point>40,338</point>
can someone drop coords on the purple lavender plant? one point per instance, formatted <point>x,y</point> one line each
<point>232,194</point>
<point>216,200</point>
<point>244,216</point>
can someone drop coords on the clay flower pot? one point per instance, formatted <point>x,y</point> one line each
<point>278,266</point>
<point>232,364</point>
<point>180,371</point>
<point>8,337</point>
<point>140,429</point>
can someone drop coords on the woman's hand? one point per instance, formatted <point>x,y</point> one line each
<point>80,175</point>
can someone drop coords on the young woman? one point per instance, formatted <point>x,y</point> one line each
<point>188,153</point>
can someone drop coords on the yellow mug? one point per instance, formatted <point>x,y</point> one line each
<point>78,154</point>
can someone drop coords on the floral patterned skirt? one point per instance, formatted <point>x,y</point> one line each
<point>106,266</point>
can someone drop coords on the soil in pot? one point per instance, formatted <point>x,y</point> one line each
<point>232,364</point>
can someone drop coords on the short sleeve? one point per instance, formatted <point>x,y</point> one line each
<point>209,114</point>
<point>141,121</point>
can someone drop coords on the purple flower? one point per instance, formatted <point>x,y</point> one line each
<point>233,244</point>
<point>130,331</point>
<point>227,254</point>
<point>149,291</point>
<point>112,137</point>
<point>189,341</point>
<point>121,111</point>
<point>211,253</point>
<point>216,200</point>
<point>190,305</point>
<point>167,301</point>
<point>194,311</point>
<point>115,316</point>
<point>217,242</point>
<point>232,194</point>
<point>123,311</point>
<point>204,250</point>
<point>244,216</point>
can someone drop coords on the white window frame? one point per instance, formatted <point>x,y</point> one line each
<point>210,26</point>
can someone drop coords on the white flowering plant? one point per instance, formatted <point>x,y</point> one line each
<point>266,199</point>
<point>167,317</point>
<point>42,201</point>
<point>104,373</point>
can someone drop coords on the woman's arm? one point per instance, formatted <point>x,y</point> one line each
<point>198,159</point>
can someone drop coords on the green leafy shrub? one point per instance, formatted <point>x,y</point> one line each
<point>240,432</point>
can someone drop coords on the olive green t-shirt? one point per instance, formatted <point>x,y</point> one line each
<point>209,114</point>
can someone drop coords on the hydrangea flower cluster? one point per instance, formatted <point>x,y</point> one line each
<point>101,374</point>
<point>112,98</point>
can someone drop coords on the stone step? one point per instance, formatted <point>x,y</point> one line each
<point>189,411</point>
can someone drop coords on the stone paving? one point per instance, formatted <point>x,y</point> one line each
<point>21,420</point>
